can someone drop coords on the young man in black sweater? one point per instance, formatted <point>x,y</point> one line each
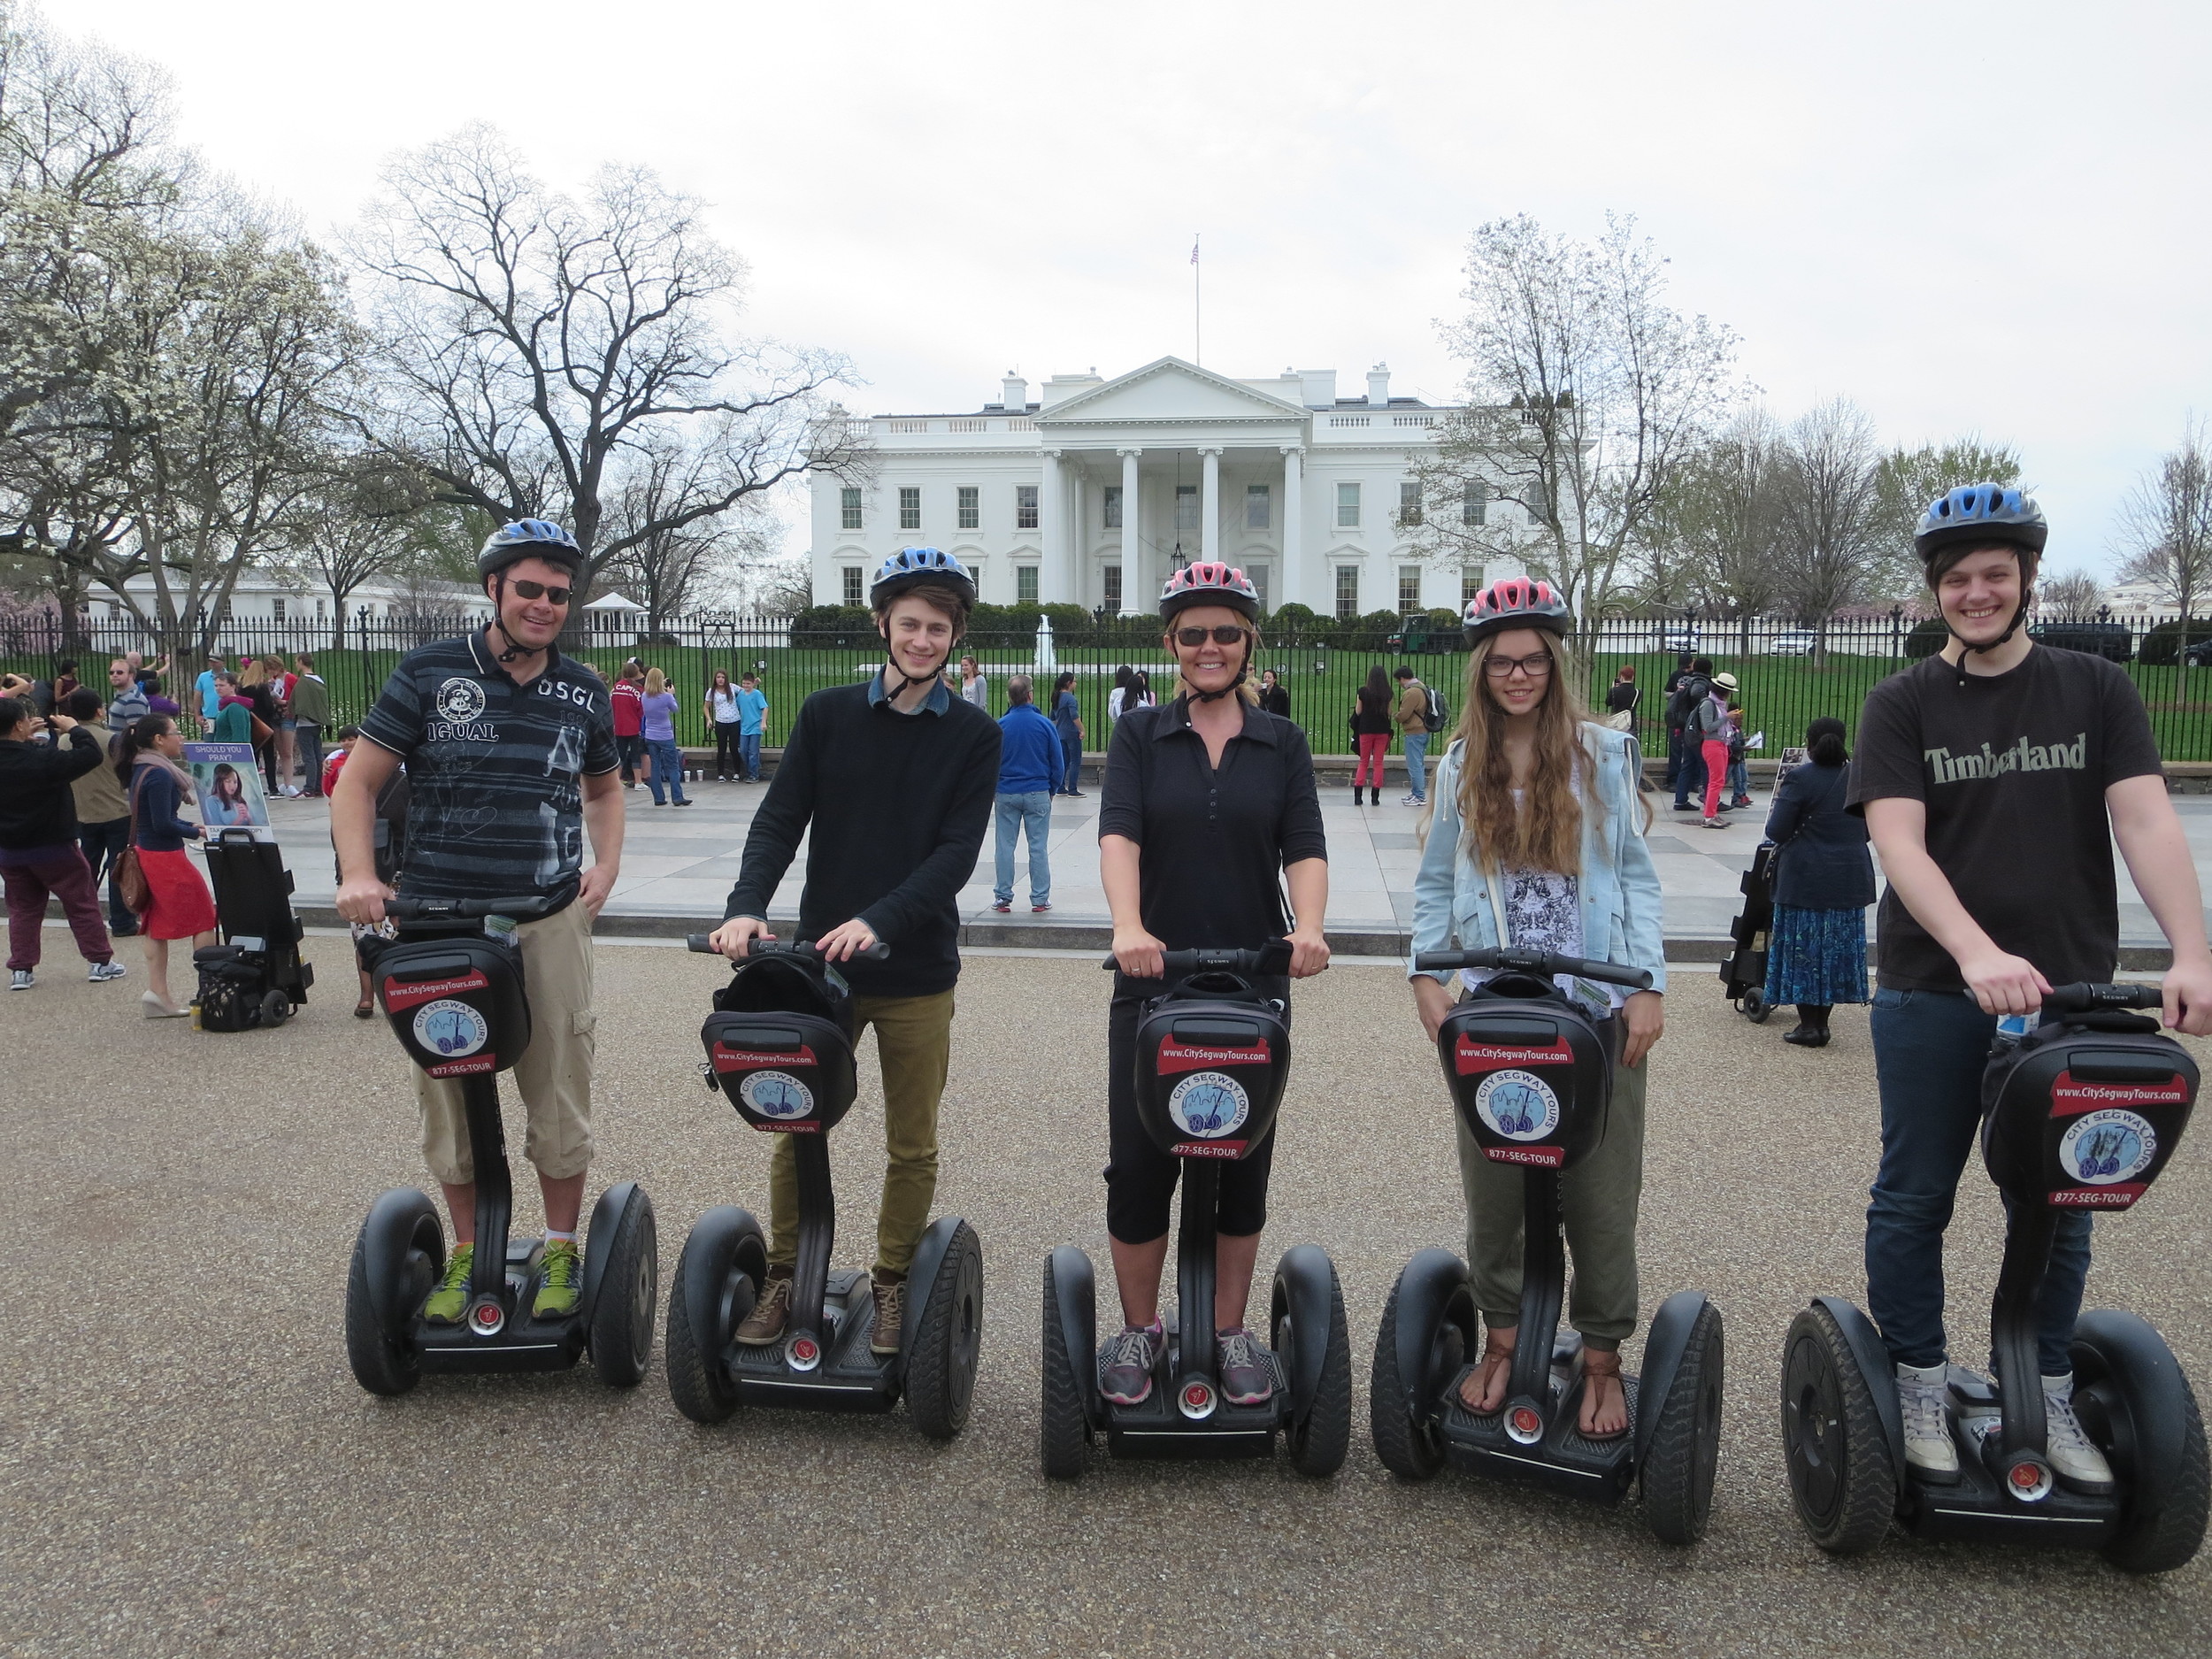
<point>895,778</point>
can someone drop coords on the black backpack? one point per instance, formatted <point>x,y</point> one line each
<point>1694,690</point>
<point>1439,712</point>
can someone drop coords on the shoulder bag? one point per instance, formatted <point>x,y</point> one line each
<point>130,881</point>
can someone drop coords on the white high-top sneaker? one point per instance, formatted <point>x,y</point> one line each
<point>1929,1448</point>
<point>2075,1459</point>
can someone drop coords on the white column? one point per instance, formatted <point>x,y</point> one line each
<point>1291,589</point>
<point>1052,531</point>
<point>1078,543</point>
<point>1209,508</point>
<point>1135,596</point>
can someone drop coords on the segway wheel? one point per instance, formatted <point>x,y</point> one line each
<point>1841,1477</point>
<point>2138,1406</point>
<point>718,1277</point>
<point>1410,1445</point>
<point>621,1335</point>
<point>1065,1439</point>
<point>1685,1450</point>
<point>941,1366</point>
<point>1318,1440</point>
<point>400,1251</point>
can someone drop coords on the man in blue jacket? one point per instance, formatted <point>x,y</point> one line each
<point>1029,767</point>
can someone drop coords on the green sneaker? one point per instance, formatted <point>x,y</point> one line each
<point>560,1282</point>
<point>452,1294</point>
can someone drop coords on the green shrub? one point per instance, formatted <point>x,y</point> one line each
<point>1926,639</point>
<point>2162,646</point>
<point>833,624</point>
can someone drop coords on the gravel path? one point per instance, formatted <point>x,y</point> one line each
<point>189,1467</point>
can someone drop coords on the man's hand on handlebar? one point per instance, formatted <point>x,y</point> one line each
<point>1138,954</point>
<point>733,938</point>
<point>1645,1016</point>
<point>846,940</point>
<point>362,901</point>
<point>2188,999</point>
<point>2003,984</point>
<point>1309,953</point>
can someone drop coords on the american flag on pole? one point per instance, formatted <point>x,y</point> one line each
<point>1194,250</point>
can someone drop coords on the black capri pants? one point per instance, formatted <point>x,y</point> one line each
<point>1141,1177</point>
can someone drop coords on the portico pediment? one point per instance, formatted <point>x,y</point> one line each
<point>1169,391</point>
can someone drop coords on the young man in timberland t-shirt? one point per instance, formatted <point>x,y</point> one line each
<point>509,748</point>
<point>890,783</point>
<point>1994,779</point>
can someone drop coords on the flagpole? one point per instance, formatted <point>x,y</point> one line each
<point>1197,312</point>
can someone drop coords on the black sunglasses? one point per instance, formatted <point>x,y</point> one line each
<point>526,589</point>
<point>1227,633</point>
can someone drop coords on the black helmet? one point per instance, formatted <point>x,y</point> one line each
<point>529,539</point>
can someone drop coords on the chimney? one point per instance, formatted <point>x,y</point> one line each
<point>1378,385</point>
<point>1320,387</point>
<point>1014,392</point>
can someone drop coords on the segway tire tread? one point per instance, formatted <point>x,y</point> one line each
<point>941,1372</point>
<point>1406,1447</point>
<point>698,1381</point>
<point>622,1323</point>
<point>1319,1442</point>
<point>2171,1537</point>
<point>1870,1500</point>
<point>1678,1468</point>
<point>379,1365</point>
<point>1063,1439</point>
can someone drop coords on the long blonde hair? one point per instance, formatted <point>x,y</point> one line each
<point>655,682</point>
<point>1545,831</point>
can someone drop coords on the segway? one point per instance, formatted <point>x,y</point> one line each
<point>2083,1112</point>
<point>451,984</point>
<point>780,1044</point>
<point>254,977</point>
<point>1212,1058</point>
<point>1531,1074</point>
<point>1743,972</point>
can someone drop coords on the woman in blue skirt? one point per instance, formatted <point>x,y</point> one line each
<point>1823,880</point>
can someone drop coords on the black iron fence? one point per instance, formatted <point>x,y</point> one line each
<point>1788,674</point>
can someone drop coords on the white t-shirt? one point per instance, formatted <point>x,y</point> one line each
<point>1543,912</point>
<point>1113,702</point>
<point>725,704</point>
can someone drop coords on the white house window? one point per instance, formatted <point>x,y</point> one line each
<point>1409,589</point>
<point>853,595</point>
<point>1186,506</point>
<point>1258,507</point>
<point>910,508</point>
<point>1026,582</point>
<point>1474,502</point>
<point>276,610</point>
<point>1111,501</point>
<point>1470,584</point>
<point>1348,506</point>
<point>1026,511</point>
<point>1408,503</point>
<point>1111,574</point>
<point>969,497</point>
<point>1258,575</point>
<point>319,610</point>
<point>849,508</point>
<point>1346,589</point>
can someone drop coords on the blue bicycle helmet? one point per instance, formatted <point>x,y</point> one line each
<point>910,568</point>
<point>1977,515</point>
<point>527,539</point>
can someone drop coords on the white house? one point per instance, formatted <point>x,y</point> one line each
<point>271,597</point>
<point>1093,493</point>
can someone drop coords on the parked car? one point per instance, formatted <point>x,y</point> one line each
<point>2201,654</point>
<point>1681,636</point>
<point>2108,640</point>
<point>1793,642</point>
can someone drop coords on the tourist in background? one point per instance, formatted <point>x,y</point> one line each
<point>1706,734</point>
<point>752,715</point>
<point>65,682</point>
<point>1738,770</point>
<point>1823,880</point>
<point>38,839</point>
<point>974,688</point>
<point>1690,689</point>
<point>656,709</point>
<point>1067,720</point>
<point>1371,731</point>
<point>311,715</point>
<point>1621,698</point>
<point>104,813</point>
<point>127,698</point>
<point>627,696</point>
<point>284,745</point>
<point>1274,695</point>
<point>231,721</point>
<point>179,906</point>
<point>1413,715</point>
<point>1029,762</point>
<point>720,707</point>
<point>1117,698</point>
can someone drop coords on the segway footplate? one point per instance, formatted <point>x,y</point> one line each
<point>1563,1460</point>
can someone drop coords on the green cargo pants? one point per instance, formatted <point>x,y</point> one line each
<point>914,1045</point>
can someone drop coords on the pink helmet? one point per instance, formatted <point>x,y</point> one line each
<point>1209,583</point>
<point>1515,602</point>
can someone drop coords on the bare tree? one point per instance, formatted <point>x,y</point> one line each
<point>530,348</point>
<point>1905,481</point>
<point>1830,527</point>
<point>1586,391</point>
<point>1725,508</point>
<point>2074,593</point>
<point>354,529</point>
<point>2166,525</point>
<point>668,566</point>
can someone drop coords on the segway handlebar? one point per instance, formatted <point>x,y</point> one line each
<point>704,945</point>
<point>524,908</point>
<point>1540,962</point>
<point>2081,998</point>
<point>1274,958</point>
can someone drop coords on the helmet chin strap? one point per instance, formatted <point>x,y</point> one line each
<point>514,647</point>
<point>907,681</point>
<point>2019,616</point>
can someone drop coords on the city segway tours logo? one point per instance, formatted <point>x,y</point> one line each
<point>453,1031</point>
<point>1212,1106</point>
<point>2104,1148</point>
<point>1518,1106</point>
<point>778,1095</point>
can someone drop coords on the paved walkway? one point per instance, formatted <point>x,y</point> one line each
<point>677,864</point>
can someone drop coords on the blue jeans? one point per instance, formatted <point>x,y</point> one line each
<point>749,756</point>
<point>1674,755</point>
<point>1031,811</point>
<point>1072,753</point>
<point>1930,1048</point>
<point>1689,778</point>
<point>1738,780</point>
<point>1417,765</point>
<point>668,767</point>
<point>101,845</point>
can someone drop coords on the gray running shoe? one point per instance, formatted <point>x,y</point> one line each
<point>1247,1378</point>
<point>1128,1361</point>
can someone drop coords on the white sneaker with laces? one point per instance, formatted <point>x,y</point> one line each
<point>2075,1459</point>
<point>1929,1449</point>
<point>102,971</point>
<point>22,981</point>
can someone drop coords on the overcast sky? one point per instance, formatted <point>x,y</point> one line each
<point>1969,218</point>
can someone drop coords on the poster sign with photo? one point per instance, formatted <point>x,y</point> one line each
<point>227,780</point>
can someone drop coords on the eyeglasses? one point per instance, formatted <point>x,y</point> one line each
<point>1536,667</point>
<point>526,589</point>
<point>1228,633</point>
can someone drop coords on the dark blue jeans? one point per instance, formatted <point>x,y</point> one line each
<point>1689,776</point>
<point>1930,1048</point>
<point>1071,757</point>
<point>101,845</point>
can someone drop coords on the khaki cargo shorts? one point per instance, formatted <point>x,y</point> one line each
<point>554,1073</point>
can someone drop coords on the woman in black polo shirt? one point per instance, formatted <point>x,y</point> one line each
<point>1209,808</point>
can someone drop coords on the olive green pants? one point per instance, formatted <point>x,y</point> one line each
<point>914,1046</point>
<point>1598,1198</point>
